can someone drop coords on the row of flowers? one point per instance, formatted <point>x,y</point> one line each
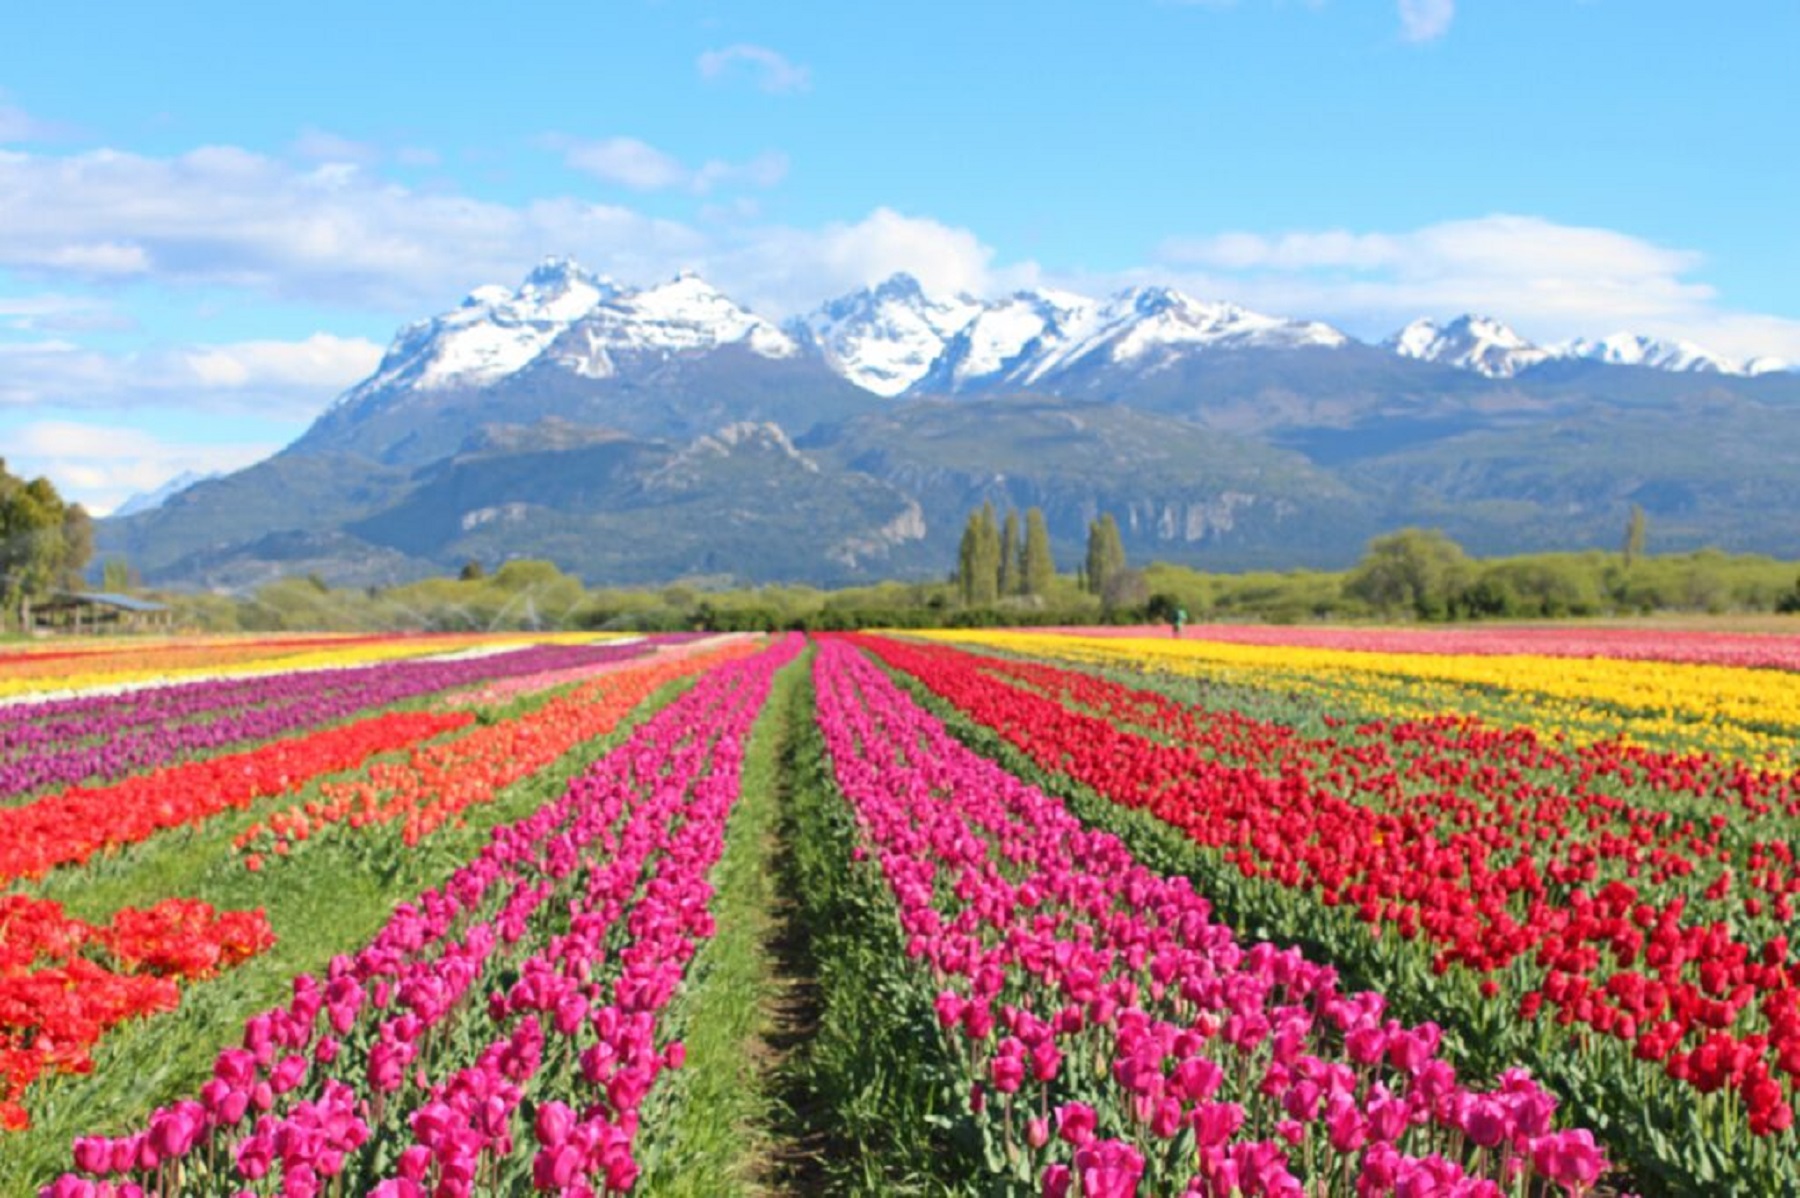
<point>208,659</point>
<point>69,826</point>
<point>1765,651</point>
<point>435,783</point>
<point>499,1031</point>
<point>1115,1037</point>
<point>107,737</point>
<point>1749,713</point>
<point>64,981</point>
<point>1563,881</point>
<point>100,655</point>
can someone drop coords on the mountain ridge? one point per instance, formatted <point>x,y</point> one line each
<point>646,433</point>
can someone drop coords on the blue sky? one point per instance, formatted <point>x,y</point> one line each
<point>212,216</point>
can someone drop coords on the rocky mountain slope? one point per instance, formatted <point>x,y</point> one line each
<point>642,434</point>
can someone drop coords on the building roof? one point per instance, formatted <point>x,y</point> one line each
<point>109,599</point>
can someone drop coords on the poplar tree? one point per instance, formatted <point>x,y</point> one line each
<point>1634,536</point>
<point>1105,553</point>
<point>1037,567</point>
<point>1012,577</point>
<point>978,558</point>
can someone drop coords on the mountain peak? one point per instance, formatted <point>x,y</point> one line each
<point>556,270</point>
<point>1636,349</point>
<point>1469,342</point>
<point>899,285</point>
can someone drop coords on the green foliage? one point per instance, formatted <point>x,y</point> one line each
<point>1037,566</point>
<point>706,1123</point>
<point>117,576</point>
<point>1012,559</point>
<point>1416,571</point>
<point>1105,552</point>
<point>45,543</point>
<point>1634,536</point>
<point>873,1081</point>
<point>978,559</point>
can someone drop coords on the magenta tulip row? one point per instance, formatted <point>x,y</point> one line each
<point>105,739</point>
<point>394,1073</point>
<point>1115,1037</point>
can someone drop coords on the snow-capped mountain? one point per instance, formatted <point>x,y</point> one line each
<point>149,501</point>
<point>1030,337</point>
<point>885,338</point>
<point>1626,349</point>
<point>895,338</point>
<point>1489,347</point>
<point>563,316</point>
<point>1478,343</point>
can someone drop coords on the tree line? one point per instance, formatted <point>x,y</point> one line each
<point>997,561</point>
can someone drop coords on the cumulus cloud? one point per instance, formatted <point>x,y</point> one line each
<point>1426,20</point>
<point>283,379</point>
<point>771,70</point>
<point>338,234</point>
<point>343,235</point>
<point>640,166</point>
<point>1551,280</point>
<point>785,270</point>
<point>102,465</point>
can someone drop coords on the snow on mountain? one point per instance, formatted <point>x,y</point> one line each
<point>1145,326</point>
<point>1486,346</point>
<point>885,338</point>
<point>567,317</point>
<point>149,501</point>
<point>1478,343</point>
<point>1626,349</point>
<point>1031,336</point>
<point>896,338</point>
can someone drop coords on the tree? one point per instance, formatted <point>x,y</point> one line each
<point>1634,535</point>
<point>472,571</point>
<point>117,576</point>
<point>1037,566</point>
<point>1012,574</point>
<point>1105,552</point>
<point>1126,590</point>
<point>1416,570</point>
<point>978,559</point>
<point>44,542</point>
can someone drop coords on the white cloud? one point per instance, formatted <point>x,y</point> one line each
<point>320,145</point>
<point>257,226</point>
<point>103,465</point>
<point>273,378</point>
<point>640,166</point>
<point>54,313</point>
<point>773,71</point>
<point>1551,280</point>
<point>783,270</point>
<point>226,218</point>
<point>1426,20</point>
<point>337,234</point>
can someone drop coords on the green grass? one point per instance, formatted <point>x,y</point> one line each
<point>706,1124</point>
<point>328,899</point>
<point>874,1085</point>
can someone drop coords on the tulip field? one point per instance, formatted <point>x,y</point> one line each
<point>1282,912</point>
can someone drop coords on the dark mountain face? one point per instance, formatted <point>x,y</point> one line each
<point>643,436</point>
